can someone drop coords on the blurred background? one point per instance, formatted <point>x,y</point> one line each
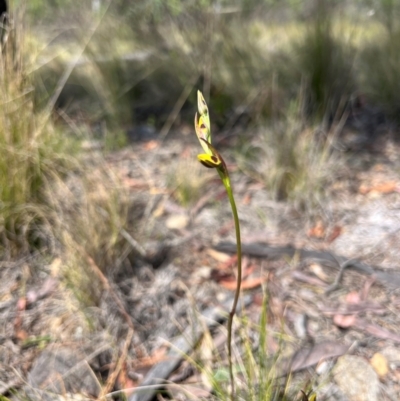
<point>139,64</point>
<point>296,90</point>
<point>98,172</point>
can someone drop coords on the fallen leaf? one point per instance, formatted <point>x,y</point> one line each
<point>246,284</point>
<point>219,275</point>
<point>380,364</point>
<point>21,335</point>
<point>367,286</point>
<point>377,331</point>
<point>123,380</point>
<point>151,145</point>
<point>133,183</point>
<point>177,222</point>
<point>248,269</point>
<point>219,256</point>
<point>159,211</point>
<point>354,309</point>
<point>300,276</point>
<point>318,231</point>
<point>353,298</point>
<point>21,304</point>
<point>344,321</point>
<point>316,268</point>
<point>383,188</point>
<point>158,356</point>
<point>246,199</point>
<point>231,262</point>
<point>307,357</point>
<point>157,191</point>
<point>336,232</point>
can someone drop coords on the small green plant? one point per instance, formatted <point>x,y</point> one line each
<point>212,159</point>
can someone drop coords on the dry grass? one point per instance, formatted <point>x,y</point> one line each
<point>32,153</point>
<point>186,179</point>
<point>91,209</point>
<point>294,163</point>
<point>51,198</point>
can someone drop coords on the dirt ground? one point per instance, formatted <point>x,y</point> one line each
<point>349,330</point>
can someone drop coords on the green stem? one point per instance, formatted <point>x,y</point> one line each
<point>226,181</point>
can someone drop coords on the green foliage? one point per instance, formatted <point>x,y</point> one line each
<point>381,73</point>
<point>379,62</point>
<point>43,9</point>
<point>325,64</point>
<point>115,140</point>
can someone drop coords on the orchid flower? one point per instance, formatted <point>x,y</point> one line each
<point>212,159</point>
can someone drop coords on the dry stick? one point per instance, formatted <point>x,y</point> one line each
<point>335,285</point>
<point>96,269</point>
<point>113,377</point>
<point>133,243</point>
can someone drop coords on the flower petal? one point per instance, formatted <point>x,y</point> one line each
<point>201,104</point>
<point>210,161</point>
<point>202,132</point>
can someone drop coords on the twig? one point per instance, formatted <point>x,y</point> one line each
<point>133,243</point>
<point>335,285</point>
<point>113,377</point>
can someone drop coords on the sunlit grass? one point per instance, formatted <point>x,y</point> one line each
<point>32,153</point>
<point>293,162</point>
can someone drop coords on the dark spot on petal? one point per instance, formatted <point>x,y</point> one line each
<point>214,158</point>
<point>205,164</point>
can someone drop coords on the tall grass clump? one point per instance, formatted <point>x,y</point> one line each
<point>91,209</point>
<point>294,162</point>
<point>325,63</point>
<point>54,197</point>
<point>32,151</point>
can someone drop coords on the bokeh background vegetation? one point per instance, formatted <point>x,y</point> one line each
<point>282,78</point>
